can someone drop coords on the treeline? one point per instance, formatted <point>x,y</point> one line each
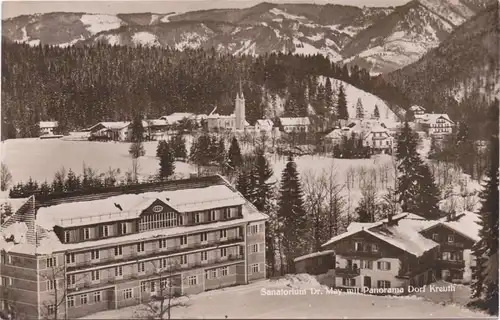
<point>79,86</point>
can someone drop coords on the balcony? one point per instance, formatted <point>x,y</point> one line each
<point>155,253</point>
<point>452,245</point>
<point>359,253</point>
<point>451,264</point>
<point>177,269</point>
<point>347,272</point>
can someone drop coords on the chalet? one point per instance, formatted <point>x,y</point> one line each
<point>154,128</point>
<point>116,131</point>
<point>126,246</point>
<point>379,140</point>
<point>436,125</point>
<point>265,125</point>
<point>399,251</point>
<point>48,127</point>
<point>417,110</point>
<point>295,125</point>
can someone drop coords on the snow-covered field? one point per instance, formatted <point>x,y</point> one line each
<point>248,302</point>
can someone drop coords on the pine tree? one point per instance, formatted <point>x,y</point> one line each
<point>409,164</point>
<point>428,196</point>
<point>136,150</point>
<point>234,154</point>
<point>160,148</point>
<point>72,182</point>
<point>137,129</point>
<point>328,95</point>
<point>484,287</point>
<point>220,153</point>
<point>167,163</point>
<point>292,217</point>
<point>360,111</point>
<point>45,189</point>
<point>179,146</point>
<point>262,172</point>
<point>376,112</point>
<point>342,112</point>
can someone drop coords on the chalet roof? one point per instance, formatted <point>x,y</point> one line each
<point>466,224</point>
<point>296,121</point>
<point>416,108</point>
<point>264,123</point>
<point>433,117</point>
<point>48,124</point>
<point>154,122</point>
<point>219,116</point>
<point>116,125</point>
<point>177,116</point>
<point>74,214</point>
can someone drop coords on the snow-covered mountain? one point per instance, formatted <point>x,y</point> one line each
<point>409,32</point>
<point>383,39</point>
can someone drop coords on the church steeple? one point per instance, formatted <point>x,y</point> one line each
<point>240,93</point>
<point>239,109</point>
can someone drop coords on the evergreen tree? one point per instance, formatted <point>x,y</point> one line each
<point>167,163</point>
<point>45,189</point>
<point>428,196</point>
<point>376,113</point>
<point>235,160</point>
<point>213,150</point>
<point>364,215</point>
<point>328,96</point>
<point>72,182</point>
<point>292,217</point>
<point>179,146</point>
<point>262,172</point>
<point>360,111</point>
<point>485,287</point>
<point>137,129</point>
<point>409,164</point>
<point>136,150</point>
<point>160,148</point>
<point>221,152</point>
<point>342,112</point>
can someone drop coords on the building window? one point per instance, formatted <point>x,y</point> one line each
<point>70,258</point>
<point>157,209</point>
<point>71,279</point>
<point>66,236</point>
<point>227,213</point>
<point>223,234</point>
<point>164,263</point>
<point>383,284</point>
<point>253,229</point>
<point>435,237</point>
<point>224,271</point>
<point>51,262</point>
<point>349,282</point>
<point>123,227</point>
<point>95,275</point>
<point>203,237</point>
<point>374,247</point>
<point>367,264</point>
<point>255,248</point>
<point>105,231</point>
<point>51,309</point>
<point>83,299</point>
<point>162,243</point>
<point>383,265</point>
<point>211,215</point>
<point>180,219</point>
<point>141,267</point>
<point>254,268</point>
<point>94,254</point>
<point>192,280</point>
<point>51,284</point>
<point>204,256</point>
<point>451,239</point>
<point>118,250</point>
<point>159,220</point>
<point>223,252</point>
<point>184,240</point>
<point>184,259</point>
<point>6,281</point>
<point>86,233</point>
<point>140,247</point>
<point>358,246</point>
<point>446,256</point>
<point>97,296</point>
<point>197,217</point>
<point>127,294</point>
<point>118,271</point>
<point>143,286</point>
<point>71,301</point>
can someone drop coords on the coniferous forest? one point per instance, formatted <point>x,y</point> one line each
<point>80,86</point>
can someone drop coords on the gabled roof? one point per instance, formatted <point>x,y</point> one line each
<point>296,121</point>
<point>177,116</point>
<point>264,123</point>
<point>433,117</point>
<point>154,122</point>
<point>416,108</point>
<point>111,125</point>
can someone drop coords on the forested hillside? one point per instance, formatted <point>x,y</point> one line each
<point>79,86</point>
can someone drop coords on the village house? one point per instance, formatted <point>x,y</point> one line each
<point>417,110</point>
<point>437,125</point>
<point>115,130</point>
<point>154,129</point>
<point>295,125</point>
<point>265,125</point>
<point>122,247</point>
<point>379,140</point>
<point>403,250</point>
<point>47,127</point>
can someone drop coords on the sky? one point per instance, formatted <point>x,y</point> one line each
<point>14,8</point>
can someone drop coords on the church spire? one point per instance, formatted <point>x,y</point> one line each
<point>240,94</point>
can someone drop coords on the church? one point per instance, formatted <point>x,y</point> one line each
<point>234,122</point>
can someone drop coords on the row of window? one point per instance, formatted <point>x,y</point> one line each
<point>365,247</point>
<point>368,264</point>
<point>351,282</point>
<point>449,238</point>
<point>452,256</point>
<point>84,298</point>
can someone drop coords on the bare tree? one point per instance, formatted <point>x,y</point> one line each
<point>389,203</point>
<point>167,294</point>
<point>314,196</point>
<point>334,200</point>
<point>135,170</point>
<point>5,177</point>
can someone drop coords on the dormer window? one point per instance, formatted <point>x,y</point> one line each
<point>157,209</point>
<point>66,237</point>
<point>123,228</point>
<point>212,215</point>
<point>197,217</point>
<point>105,231</point>
<point>86,233</point>
<point>227,213</point>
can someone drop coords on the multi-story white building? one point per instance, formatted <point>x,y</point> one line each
<point>234,122</point>
<point>116,249</point>
<point>47,127</point>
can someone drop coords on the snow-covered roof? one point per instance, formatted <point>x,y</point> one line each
<point>48,242</point>
<point>154,122</point>
<point>298,121</point>
<point>335,133</point>
<point>97,211</point>
<point>467,224</point>
<point>48,124</point>
<point>314,254</point>
<point>264,123</point>
<point>115,125</point>
<point>433,117</point>
<point>218,116</point>
<point>416,108</point>
<point>177,116</point>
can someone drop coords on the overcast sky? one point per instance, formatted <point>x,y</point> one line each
<point>14,8</point>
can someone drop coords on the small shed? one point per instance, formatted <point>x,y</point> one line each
<point>315,263</point>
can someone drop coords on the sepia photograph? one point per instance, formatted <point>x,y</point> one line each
<point>249,159</point>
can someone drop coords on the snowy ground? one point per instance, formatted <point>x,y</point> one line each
<point>248,302</point>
